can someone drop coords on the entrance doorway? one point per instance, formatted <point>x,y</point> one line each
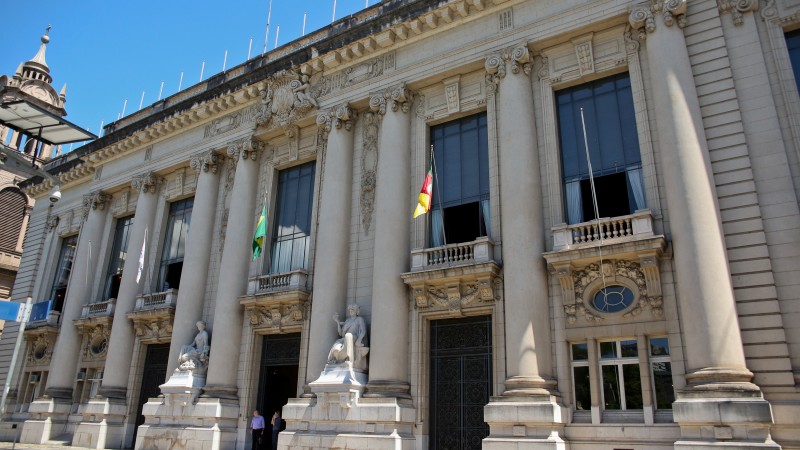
<point>153,376</point>
<point>460,382</point>
<point>277,381</point>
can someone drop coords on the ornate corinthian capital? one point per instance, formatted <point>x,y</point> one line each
<point>246,148</point>
<point>94,200</point>
<point>495,65</point>
<point>341,116</point>
<point>207,161</point>
<point>737,8</point>
<point>397,98</point>
<point>147,183</point>
<point>642,18</point>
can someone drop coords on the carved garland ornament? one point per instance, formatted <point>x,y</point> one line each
<point>369,169</point>
<point>459,296</point>
<point>277,316</point>
<point>644,275</point>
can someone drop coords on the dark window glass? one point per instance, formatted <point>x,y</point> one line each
<point>629,349</point>
<point>291,234</point>
<point>662,381</point>
<point>793,43</point>
<point>613,299</point>
<point>608,350</point>
<point>180,215</point>
<point>580,352</point>
<point>611,392</point>
<point>583,396</point>
<point>460,207</point>
<point>659,347</point>
<point>633,386</point>
<point>63,271</point>
<point>613,147</point>
<point>116,263</point>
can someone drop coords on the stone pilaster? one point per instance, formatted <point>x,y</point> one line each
<point>720,407</point>
<point>58,402</point>
<point>189,307</point>
<point>530,386</point>
<point>330,277</point>
<point>388,366</point>
<point>228,315</point>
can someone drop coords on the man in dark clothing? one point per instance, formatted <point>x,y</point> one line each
<point>277,423</point>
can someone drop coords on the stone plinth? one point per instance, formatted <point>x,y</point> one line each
<point>48,419</point>
<point>103,424</point>
<point>175,422</point>
<point>530,422</point>
<point>342,379</point>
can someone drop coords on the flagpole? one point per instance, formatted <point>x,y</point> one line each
<point>439,194</point>
<point>594,199</point>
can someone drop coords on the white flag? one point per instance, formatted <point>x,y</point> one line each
<point>141,258</point>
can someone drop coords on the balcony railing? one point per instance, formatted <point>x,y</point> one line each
<point>609,230</point>
<point>98,309</point>
<point>157,300</point>
<point>275,282</point>
<point>477,251</point>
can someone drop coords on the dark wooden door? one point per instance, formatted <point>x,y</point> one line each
<point>460,382</point>
<point>154,375</point>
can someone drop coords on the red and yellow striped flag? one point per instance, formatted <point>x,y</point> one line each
<point>425,195</point>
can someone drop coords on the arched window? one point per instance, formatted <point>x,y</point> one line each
<point>12,213</point>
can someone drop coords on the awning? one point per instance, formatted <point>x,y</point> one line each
<point>40,124</point>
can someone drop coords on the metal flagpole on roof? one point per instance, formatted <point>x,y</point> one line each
<point>333,17</point>
<point>266,35</point>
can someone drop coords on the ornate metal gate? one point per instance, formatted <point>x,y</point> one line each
<point>460,383</point>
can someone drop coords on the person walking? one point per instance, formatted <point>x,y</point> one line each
<point>257,424</point>
<point>277,424</point>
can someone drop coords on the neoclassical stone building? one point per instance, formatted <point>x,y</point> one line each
<point>644,298</point>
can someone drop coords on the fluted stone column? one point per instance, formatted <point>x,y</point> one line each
<point>715,362</point>
<point>529,363</point>
<point>67,349</point>
<point>226,335</point>
<point>388,365</point>
<point>330,275</point>
<point>120,344</point>
<point>189,307</point>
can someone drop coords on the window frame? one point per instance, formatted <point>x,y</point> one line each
<point>126,223</point>
<point>619,361</point>
<point>165,259</point>
<point>274,265</point>
<point>65,240</point>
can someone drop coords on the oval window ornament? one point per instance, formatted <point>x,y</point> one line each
<point>613,299</point>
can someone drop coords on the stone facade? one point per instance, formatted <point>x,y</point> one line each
<point>668,324</point>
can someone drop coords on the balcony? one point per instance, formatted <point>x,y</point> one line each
<point>277,302</point>
<point>9,260</point>
<point>612,230</point>
<point>454,277</point>
<point>105,308</point>
<point>166,299</point>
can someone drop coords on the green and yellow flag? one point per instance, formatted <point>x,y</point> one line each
<point>260,234</point>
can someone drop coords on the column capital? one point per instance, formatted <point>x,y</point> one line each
<point>398,98</point>
<point>495,64</point>
<point>643,17</point>
<point>341,116</point>
<point>147,183</point>
<point>246,148</point>
<point>737,8</point>
<point>207,161</point>
<point>94,200</point>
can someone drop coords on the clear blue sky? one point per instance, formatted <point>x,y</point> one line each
<point>107,51</point>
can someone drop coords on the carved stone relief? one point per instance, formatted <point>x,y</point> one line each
<point>285,97</point>
<point>153,329</point>
<point>96,343</point>
<point>41,349</point>
<point>459,295</point>
<point>277,316</point>
<point>369,169</point>
<point>356,74</point>
<point>208,161</point>
<point>643,19</point>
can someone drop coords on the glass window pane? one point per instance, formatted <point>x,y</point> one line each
<point>633,386</point>
<point>611,391</point>
<point>629,349</point>
<point>292,224</point>
<point>580,352</point>
<point>583,397</point>
<point>793,44</point>
<point>659,346</point>
<point>662,381</point>
<point>608,350</point>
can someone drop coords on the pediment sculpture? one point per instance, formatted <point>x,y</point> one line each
<point>287,96</point>
<point>351,349</point>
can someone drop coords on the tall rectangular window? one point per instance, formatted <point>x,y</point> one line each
<point>63,271</point>
<point>621,380</point>
<point>661,368</point>
<point>793,44</point>
<point>580,376</point>
<point>180,214</point>
<point>613,148</point>
<point>460,208</point>
<point>116,263</point>
<point>292,229</point>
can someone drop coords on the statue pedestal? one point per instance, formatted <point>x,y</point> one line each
<point>533,422</point>
<point>339,417</point>
<point>182,419</point>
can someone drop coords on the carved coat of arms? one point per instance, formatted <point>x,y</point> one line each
<point>286,97</point>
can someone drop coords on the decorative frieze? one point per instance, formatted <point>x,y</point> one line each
<point>457,296</point>
<point>153,329</point>
<point>358,73</point>
<point>278,316</point>
<point>207,162</point>
<point>737,8</point>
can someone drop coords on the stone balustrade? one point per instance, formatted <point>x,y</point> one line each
<point>275,282</point>
<point>9,260</point>
<point>611,230</point>
<point>157,300</point>
<point>105,308</point>
<point>477,251</point>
